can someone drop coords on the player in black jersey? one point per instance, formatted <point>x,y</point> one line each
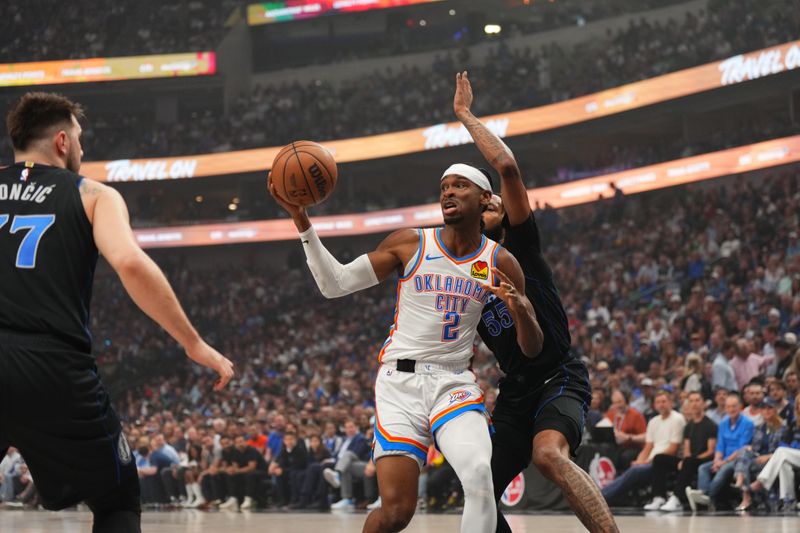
<point>543,398</point>
<point>53,407</point>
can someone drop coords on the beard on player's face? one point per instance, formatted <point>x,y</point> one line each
<point>464,202</point>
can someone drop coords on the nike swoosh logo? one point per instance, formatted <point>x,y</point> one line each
<point>549,380</point>
<point>429,258</point>
<point>305,242</point>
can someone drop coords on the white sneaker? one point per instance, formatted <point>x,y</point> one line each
<point>673,505</point>
<point>375,505</point>
<point>230,503</point>
<point>333,477</point>
<point>656,504</point>
<point>198,502</point>
<point>696,497</point>
<point>345,504</point>
<point>247,503</point>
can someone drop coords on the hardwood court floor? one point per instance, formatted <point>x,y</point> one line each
<point>195,521</point>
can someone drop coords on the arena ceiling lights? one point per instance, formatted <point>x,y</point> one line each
<point>289,10</point>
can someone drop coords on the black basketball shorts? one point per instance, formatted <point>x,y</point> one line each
<point>558,402</point>
<point>56,412</point>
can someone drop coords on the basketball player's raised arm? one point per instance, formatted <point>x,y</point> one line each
<point>335,279</point>
<point>512,291</point>
<point>497,154</point>
<point>141,277</point>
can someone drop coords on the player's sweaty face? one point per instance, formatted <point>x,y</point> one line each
<point>459,198</point>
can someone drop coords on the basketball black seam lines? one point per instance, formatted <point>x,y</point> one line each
<point>283,174</point>
<point>300,164</point>
<point>317,159</point>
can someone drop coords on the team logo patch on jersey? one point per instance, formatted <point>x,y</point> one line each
<point>123,450</point>
<point>459,396</point>
<point>480,270</point>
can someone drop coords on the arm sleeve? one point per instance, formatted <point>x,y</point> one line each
<point>333,278</point>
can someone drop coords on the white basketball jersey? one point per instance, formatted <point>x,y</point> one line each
<point>439,302</point>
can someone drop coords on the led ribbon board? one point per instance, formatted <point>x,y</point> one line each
<point>288,10</point>
<point>107,69</point>
<point>692,169</point>
<point>731,71</point>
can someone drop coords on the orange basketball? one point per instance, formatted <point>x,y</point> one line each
<point>304,173</point>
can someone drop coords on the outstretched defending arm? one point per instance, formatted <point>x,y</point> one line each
<point>335,279</point>
<point>497,154</point>
<point>142,278</point>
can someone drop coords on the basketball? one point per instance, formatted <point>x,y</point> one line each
<point>304,173</point>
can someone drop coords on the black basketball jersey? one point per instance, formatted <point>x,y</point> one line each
<point>47,254</point>
<point>497,328</point>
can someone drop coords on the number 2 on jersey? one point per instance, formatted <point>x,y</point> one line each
<point>36,225</point>
<point>450,327</point>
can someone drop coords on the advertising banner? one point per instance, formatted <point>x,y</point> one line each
<point>107,69</point>
<point>691,169</point>
<point>730,71</point>
<point>288,10</point>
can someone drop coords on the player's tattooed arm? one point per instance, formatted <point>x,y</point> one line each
<point>89,188</point>
<point>496,153</point>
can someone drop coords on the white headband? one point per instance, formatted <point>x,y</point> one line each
<point>471,173</point>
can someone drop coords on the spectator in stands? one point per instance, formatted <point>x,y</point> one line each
<point>718,413</point>
<point>314,494</point>
<point>644,401</point>
<point>275,439</point>
<point>663,436</point>
<point>25,494</point>
<point>747,364</point>
<point>754,398</point>
<point>166,460</point>
<point>734,433</point>
<point>350,462</point>
<point>9,472</point>
<point>766,439</point>
<point>149,481</point>
<point>332,440</point>
<point>784,348</point>
<point>288,470</point>
<point>246,471</point>
<point>699,443</point>
<point>629,427</point>
<point>722,371</point>
<point>782,464</point>
<point>256,438</point>
<point>777,391</point>
<point>218,473</point>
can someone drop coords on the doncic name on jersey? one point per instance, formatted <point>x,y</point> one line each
<point>24,191</point>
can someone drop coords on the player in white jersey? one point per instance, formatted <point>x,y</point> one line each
<point>424,388</point>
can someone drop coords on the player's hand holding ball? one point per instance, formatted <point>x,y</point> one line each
<point>303,174</point>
